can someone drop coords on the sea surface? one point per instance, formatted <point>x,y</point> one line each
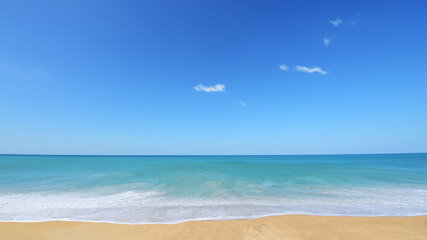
<point>169,189</point>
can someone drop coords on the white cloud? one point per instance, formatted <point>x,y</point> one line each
<point>336,22</point>
<point>283,67</point>
<point>326,41</point>
<point>215,88</point>
<point>243,104</point>
<point>310,70</point>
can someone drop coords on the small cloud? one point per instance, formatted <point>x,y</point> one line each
<point>352,24</point>
<point>310,70</point>
<point>326,41</point>
<point>215,88</point>
<point>283,67</point>
<point>243,104</point>
<point>336,22</point>
<point>19,73</point>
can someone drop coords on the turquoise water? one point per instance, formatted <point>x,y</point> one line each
<point>148,189</point>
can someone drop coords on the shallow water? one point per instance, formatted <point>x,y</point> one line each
<point>148,189</point>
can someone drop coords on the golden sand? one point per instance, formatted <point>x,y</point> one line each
<point>275,227</point>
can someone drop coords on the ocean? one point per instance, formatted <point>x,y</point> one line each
<point>170,189</point>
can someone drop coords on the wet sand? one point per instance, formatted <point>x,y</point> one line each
<point>286,227</point>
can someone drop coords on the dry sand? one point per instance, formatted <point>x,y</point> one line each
<point>275,227</point>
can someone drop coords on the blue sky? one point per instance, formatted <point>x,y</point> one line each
<point>213,77</point>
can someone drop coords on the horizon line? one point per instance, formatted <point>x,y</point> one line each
<point>203,155</point>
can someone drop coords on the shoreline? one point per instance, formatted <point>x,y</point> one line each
<point>269,227</point>
<point>213,219</point>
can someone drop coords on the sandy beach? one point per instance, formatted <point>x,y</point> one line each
<point>274,227</point>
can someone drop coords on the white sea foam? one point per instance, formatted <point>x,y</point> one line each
<point>155,207</point>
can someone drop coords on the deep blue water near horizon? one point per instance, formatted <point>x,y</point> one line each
<point>150,189</point>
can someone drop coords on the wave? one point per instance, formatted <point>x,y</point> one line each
<point>138,207</point>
